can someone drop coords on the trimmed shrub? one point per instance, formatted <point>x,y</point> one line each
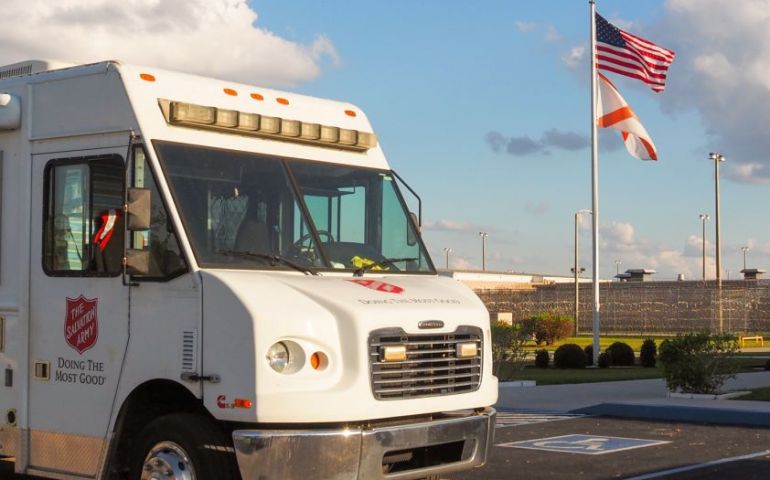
<point>621,354</point>
<point>508,343</point>
<point>648,354</point>
<point>589,350</point>
<point>551,326</point>
<point>605,360</point>
<point>542,359</point>
<point>698,362</point>
<point>569,355</point>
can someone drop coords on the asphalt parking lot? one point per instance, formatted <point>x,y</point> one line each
<point>691,451</point>
<point>675,451</point>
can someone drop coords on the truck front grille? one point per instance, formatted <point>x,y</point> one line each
<point>431,368</point>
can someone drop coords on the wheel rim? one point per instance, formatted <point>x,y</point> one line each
<point>168,461</point>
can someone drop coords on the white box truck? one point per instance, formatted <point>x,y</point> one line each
<point>207,280</point>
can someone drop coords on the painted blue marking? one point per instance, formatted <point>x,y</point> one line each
<point>584,444</point>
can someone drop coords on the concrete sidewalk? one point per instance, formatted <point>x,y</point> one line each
<point>640,399</point>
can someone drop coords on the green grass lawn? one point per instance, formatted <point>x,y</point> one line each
<point>761,394</point>
<point>557,376</point>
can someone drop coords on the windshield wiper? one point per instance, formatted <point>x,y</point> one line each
<point>359,272</point>
<point>274,258</point>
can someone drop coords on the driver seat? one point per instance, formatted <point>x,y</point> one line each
<point>253,236</point>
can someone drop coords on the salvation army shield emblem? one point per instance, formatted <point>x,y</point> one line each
<point>81,324</point>
<point>379,286</point>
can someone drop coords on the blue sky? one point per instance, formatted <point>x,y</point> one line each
<point>439,78</point>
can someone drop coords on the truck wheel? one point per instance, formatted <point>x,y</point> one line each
<point>183,446</point>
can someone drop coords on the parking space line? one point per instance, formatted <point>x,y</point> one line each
<point>513,419</point>
<point>663,473</point>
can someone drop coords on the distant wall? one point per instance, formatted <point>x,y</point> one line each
<point>644,308</point>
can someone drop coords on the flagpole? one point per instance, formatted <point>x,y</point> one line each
<point>594,185</point>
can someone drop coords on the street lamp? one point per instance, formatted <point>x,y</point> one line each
<point>483,236</point>
<point>717,158</point>
<point>576,269</point>
<point>447,251</point>
<point>745,249</point>
<point>704,217</point>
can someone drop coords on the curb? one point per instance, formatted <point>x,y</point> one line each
<point>719,416</point>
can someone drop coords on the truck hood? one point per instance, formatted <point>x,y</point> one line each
<point>334,316</point>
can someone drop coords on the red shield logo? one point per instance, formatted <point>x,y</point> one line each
<point>81,324</point>
<point>379,286</point>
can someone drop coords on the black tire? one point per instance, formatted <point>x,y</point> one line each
<point>188,436</point>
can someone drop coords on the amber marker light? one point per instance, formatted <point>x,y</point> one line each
<point>350,113</point>
<point>257,96</point>
<point>231,92</point>
<point>147,77</point>
<point>319,361</point>
<point>282,101</point>
<point>243,403</point>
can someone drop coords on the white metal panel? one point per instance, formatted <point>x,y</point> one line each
<point>246,312</point>
<point>63,107</point>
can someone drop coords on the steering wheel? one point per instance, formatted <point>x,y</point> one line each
<point>304,238</point>
<point>308,253</point>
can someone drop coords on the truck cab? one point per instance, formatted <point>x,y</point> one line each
<point>203,279</point>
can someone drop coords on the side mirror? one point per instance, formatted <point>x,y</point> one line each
<point>138,209</point>
<point>138,262</point>
<point>411,233</point>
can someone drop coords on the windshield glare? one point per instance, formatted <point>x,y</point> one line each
<point>342,218</point>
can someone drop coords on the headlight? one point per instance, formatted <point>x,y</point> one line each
<point>278,357</point>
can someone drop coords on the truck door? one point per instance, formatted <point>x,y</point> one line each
<point>78,306</point>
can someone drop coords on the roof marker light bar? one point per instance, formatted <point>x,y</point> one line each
<point>252,124</point>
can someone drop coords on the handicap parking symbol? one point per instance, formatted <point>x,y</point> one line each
<point>584,444</point>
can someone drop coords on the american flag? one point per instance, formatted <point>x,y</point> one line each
<point>625,54</point>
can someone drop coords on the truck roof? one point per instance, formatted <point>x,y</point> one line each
<point>146,87</point>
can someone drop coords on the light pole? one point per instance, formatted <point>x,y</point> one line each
<point>717,158</point>
<point>447,251</point>
<point>576,269</point>
<point>703,218</point>
<point>617,267</point>
<point>744,249</point>
<point>483,236</point>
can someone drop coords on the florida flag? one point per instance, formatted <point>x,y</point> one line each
<point>614,112</point>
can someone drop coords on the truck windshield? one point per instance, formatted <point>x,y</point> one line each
<point>249,211</point>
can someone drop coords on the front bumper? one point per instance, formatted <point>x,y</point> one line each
<point>394,451</point>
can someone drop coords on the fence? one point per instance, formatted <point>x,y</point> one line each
<point>647,308</point>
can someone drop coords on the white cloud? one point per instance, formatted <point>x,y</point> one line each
<point>525,27</point>
<point>552,35</point>
<point>753,172</point>
<point>620,241</point>
<point>459,263</point>
<point>444,225</point>
<point>724,74</point>
<point>211,37</point>
<point>574,58</point>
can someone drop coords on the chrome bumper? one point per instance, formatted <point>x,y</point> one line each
<point>456,441</point>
